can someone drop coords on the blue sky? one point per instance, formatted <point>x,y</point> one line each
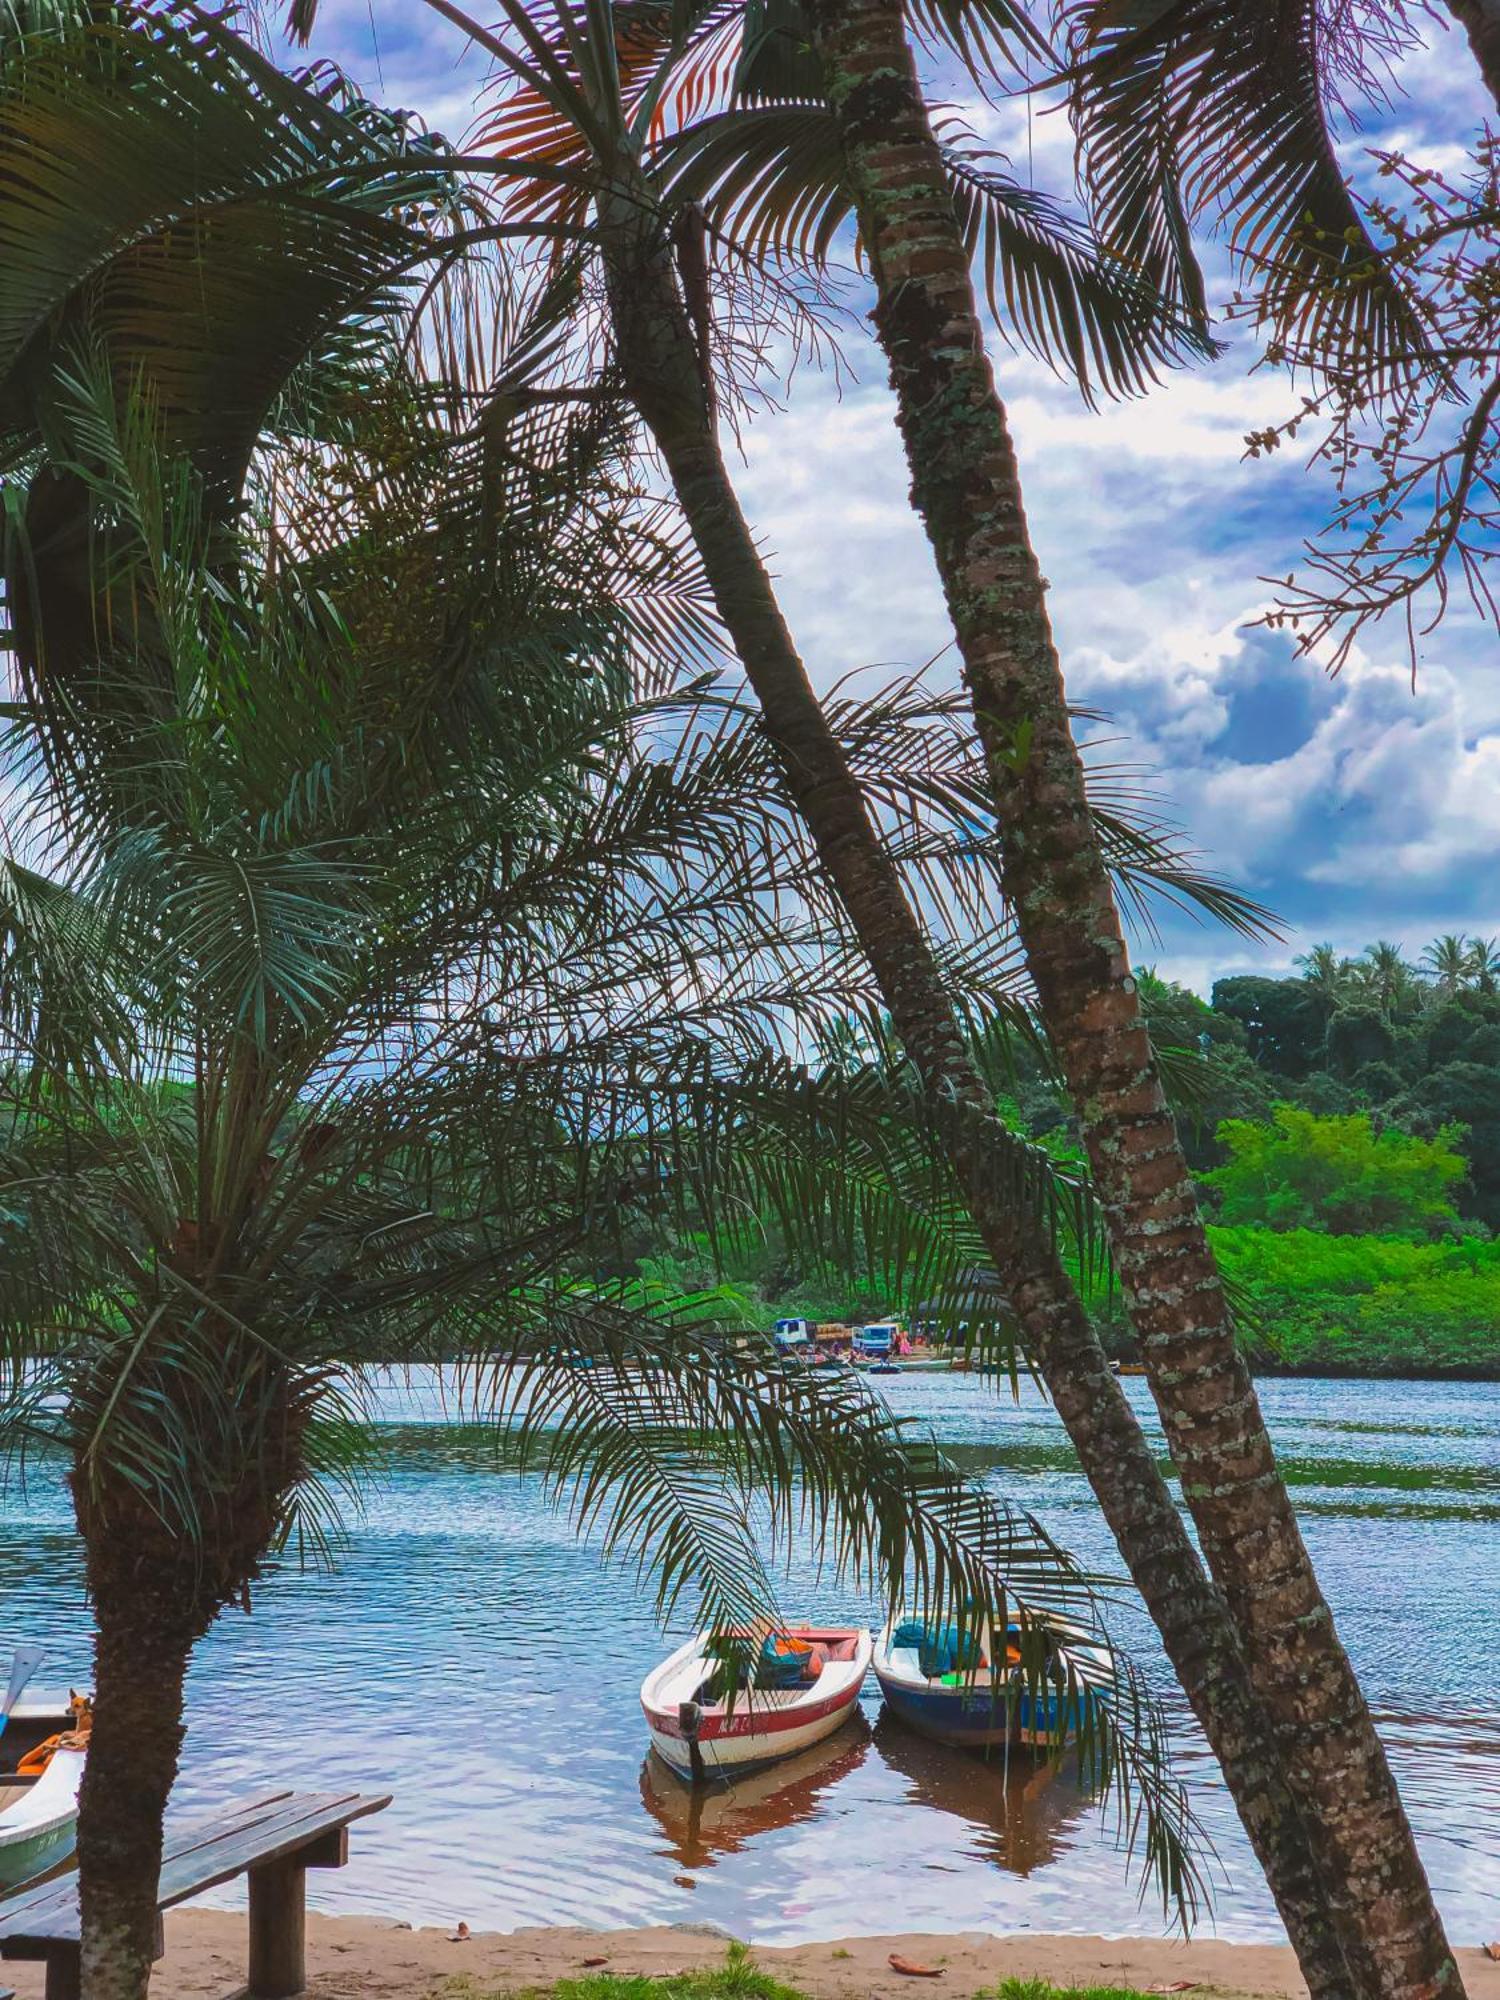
<point>1357,807</point>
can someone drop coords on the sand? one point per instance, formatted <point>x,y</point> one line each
<point>370,1958</point>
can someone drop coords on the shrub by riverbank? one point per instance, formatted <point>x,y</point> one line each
<point>1318,1304</point>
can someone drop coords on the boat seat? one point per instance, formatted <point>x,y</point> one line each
<point>840,1649</point>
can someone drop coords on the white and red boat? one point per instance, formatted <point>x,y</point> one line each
<point>817,1670</point>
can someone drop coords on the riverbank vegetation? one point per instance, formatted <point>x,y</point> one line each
<point>1344,1128</point>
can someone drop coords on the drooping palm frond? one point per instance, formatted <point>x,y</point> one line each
<point>683,1459</point>
<point>1217,112</point>
<point>128,145</point>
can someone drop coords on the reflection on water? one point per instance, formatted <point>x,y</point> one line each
<point>703,1822</point>
<point>470,1656</point>
<point>1016,1808</point>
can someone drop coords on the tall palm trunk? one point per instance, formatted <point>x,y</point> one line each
<point>665,376</point>
<point>966,487</point>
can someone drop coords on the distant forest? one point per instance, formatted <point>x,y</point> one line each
<point>1344,1125</point>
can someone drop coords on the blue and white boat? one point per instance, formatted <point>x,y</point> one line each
<point>960,1688</point>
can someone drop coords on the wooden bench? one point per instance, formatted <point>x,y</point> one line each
<point>273,1840</point>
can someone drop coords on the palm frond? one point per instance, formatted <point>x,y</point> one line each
<point>1217,111</point>
<point>770,177</point>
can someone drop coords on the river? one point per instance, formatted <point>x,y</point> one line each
<point>468,1654</point>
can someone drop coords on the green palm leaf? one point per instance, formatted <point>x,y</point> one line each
<point>1211,109</point>
<point>770,178</point>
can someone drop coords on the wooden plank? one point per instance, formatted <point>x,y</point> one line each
<point>29,1914</point>
<point>330,1850</point>
<point>199,1856</point>
<point>274,1842</point>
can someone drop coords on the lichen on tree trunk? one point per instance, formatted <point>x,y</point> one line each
<point>966,487</point>
<point>658,356</point>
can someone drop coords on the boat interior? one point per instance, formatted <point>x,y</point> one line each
<point>787,1663</point>
<point>947,1656</point>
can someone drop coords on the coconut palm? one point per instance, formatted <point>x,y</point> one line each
<point>589,87</point>
<point>1384,973</point>
<point>1449,961</point>
<point>965,485</point>
<point>1326,971</point>
<point>1484,964</point>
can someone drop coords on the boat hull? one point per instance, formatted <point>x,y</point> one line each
<point>38,1829</point>
<point>755,1750</point>
<point>761,1727</point>
<point>23,1860</point>
<point>972,1718</point>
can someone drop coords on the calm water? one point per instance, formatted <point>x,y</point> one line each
<point>469,1655</point>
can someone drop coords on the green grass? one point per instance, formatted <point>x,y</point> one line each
<point>740,1978</point>
<point>1038,1989</point>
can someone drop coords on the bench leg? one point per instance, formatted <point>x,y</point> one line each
<point>278,1930</point>
<point>63,1982</point>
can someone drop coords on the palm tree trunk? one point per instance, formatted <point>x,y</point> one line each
<point>1480,21</point>
<point>663,371</point>
<point>145,1636</point>
<point>967,489</point>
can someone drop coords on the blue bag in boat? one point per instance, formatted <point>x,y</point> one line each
<point>940,1649</point>
<point>783,1662</point>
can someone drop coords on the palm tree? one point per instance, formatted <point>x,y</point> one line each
<point>341,1013</point>
<point>965,484</point>
<point>1484,964</point>
<point>1450,963</point>
<point>1384,973</point>
<point>1325,971</point>
<point>580,72</point>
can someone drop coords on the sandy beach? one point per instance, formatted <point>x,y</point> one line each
<point>370,1958</point>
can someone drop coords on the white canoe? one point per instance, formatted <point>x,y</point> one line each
<point>764,1725</point>
<point>38,1821</point>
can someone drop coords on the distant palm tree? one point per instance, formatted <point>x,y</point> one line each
<point>1384,972</point>
<point>1325,971</point>
<point>1450,963</point>
<point>1484,964</point>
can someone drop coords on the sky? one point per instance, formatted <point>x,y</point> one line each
<point>1357,807</point>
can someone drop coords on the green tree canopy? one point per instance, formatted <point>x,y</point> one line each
<point>1335,1174</point>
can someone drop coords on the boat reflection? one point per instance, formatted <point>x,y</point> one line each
<point>705,1822</point>
<point>1019,1809</point>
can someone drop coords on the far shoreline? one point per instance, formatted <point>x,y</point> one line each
<point>379,1958</point>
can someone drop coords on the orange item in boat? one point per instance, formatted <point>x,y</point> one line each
<point>36,1761</point>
